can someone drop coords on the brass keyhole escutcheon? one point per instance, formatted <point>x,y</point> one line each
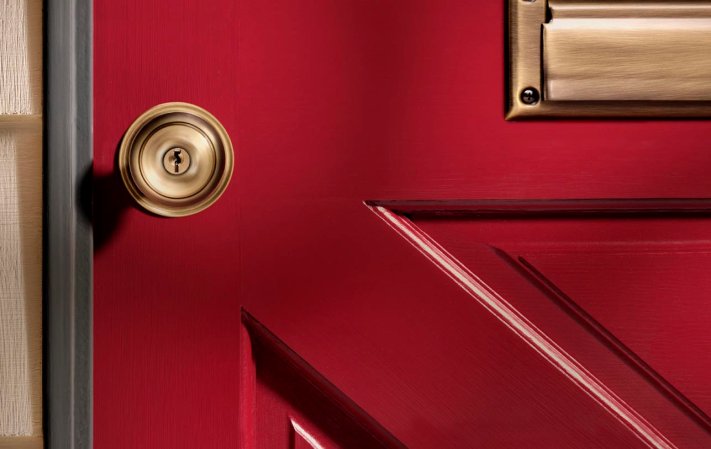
<point>176,159</point>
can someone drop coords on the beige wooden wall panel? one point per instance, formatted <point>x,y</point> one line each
<point>20,278</point>
<point>20,224</point>
<point>20,57</point>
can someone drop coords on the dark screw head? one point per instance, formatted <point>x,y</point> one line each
<point>530,96</point>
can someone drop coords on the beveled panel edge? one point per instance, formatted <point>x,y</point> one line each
<point>603,334</point>
<point>301,435</point>
<point>512,318</point>
<point>255,332</point>
<point>544,207</point>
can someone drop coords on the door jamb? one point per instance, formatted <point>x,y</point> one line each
<point>68,252</point>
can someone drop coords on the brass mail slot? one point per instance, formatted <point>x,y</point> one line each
<point>609,58</point>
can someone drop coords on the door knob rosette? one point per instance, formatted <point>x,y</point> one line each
<point>176,159</point>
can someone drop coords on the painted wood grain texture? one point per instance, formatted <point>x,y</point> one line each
<point>20,224</point>
<point>332,103</point>
<point>20,56</point>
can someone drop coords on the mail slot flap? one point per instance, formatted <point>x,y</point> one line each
<point>632,59</point>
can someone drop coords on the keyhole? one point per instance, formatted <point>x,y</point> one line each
<point>178,159</point>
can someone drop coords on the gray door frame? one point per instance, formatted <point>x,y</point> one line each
<point>67,224</point>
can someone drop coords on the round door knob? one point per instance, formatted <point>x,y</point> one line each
<point>176,159</point>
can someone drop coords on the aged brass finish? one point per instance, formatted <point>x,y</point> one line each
<point>176,159</point>
<point>610,58</point>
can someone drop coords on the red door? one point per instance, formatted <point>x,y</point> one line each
<point>393,264</point>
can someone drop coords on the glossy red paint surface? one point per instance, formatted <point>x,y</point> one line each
<point>331,104</point>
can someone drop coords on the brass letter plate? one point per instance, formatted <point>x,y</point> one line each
<point>578,58</point>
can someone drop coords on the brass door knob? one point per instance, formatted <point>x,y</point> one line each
<point>176,159</point>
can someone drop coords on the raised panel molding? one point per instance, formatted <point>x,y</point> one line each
<point>286,403</point>
<point>403,217</point>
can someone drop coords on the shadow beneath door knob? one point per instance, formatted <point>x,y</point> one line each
<point>104,200</point>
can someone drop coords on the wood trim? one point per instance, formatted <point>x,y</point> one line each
<point>21,442</point>
<point>19,120</point>
<point>68,233</point>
